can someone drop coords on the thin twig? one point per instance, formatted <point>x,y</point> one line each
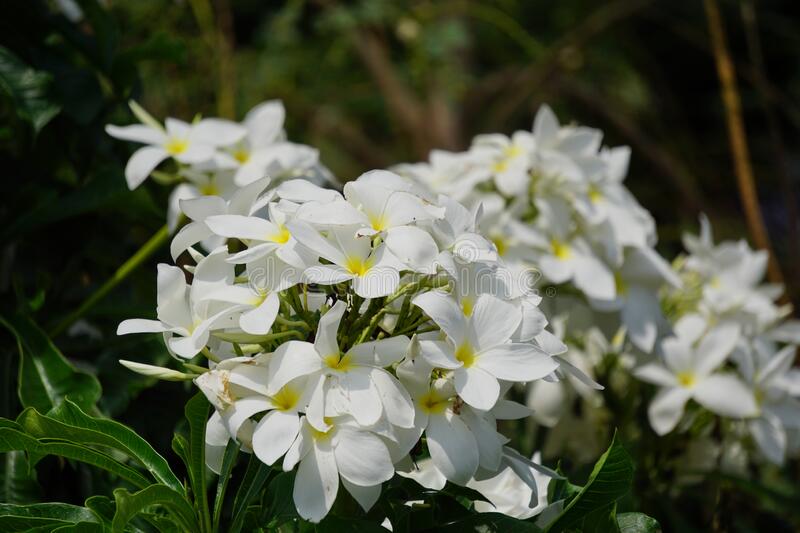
<point>774,129</point>
<point>738,139</point>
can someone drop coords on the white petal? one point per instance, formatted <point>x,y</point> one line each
<point>291,360</point>
<point>414,247</point>
<point>274,434</point>
<point>382,353</point>
<point>545,125</point>
<point>365,496</point>
<point>362,458</point>
<point>726,395</point>
<point>316,483</point>
<point>140,325</point>
<point>396,401</point>
<point>453,447</point>
<point>594,278</point>
<point>241,227</point>
<point>378,282</point>
<point>142,163</point>
<point>365,402</point>
<point>438,354</point>
<point>493,321</point>
<point>666,409</point>
<point>311,238</point>
<point>477,387</point>
<point>445,312</point>
<point>187,236</point>
<point>325,342</point>
<point>715,347</point>
<point>640,316</point>
<point>516,362</point>
<point>656,374</point>
<point>217,132</point>
<point>770,436</point>
<point>305,191</point>
<point>137,133</point>
<point>510,410</point>
<point>259,321</point>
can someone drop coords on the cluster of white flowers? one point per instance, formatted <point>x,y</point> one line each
<point>215,157</point>
<point>732,351</point>
<point>702,329</point>
<point>346,332</point>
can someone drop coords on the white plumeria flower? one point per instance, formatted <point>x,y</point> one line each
<point>689,372</point>
<point>185,315</point>
<point>343,450</point>
<point>264,150</point>
<point>638,281</point>
<point>263,237</point>
<point>357,383</point>
<point>478,349</point>
<point>766,371</point>
<point>450,173</point>
<point>186,143</point>
<point>197,209</point>
<point>506,160</point>
<point>375,272</point>
<point>511,495</point>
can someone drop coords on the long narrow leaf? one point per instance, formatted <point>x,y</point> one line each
<point>69,422</point>
<point>11,440</point>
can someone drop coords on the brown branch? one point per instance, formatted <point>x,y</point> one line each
<point>774,129</point>
<point>738,138</point>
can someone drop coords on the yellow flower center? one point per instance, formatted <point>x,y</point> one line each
<point>378,222</point>
<point>432,403</point>
<point>176,146</point>
<point>501,244</point>
<point>560,249</point>
<point>337,361</point>
<point>500,166</point>
<point>466,306</point>
<point>466,355</point>
<point>281,237</point>
<point>210,189</point>
<point>686,379</point>
<point>358,266</point>
<point>241,155</point>
<point>622,287</point>
<point>322,435</point>
<point>595,195</point>
<point>286,398</point>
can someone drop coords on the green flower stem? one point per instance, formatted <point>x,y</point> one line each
<point>147,249</point>
<point>293,323</point>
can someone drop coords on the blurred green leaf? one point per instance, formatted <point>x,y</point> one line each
<point>27,89</point>
<point>130,504</point>
<point>44,515</point>
<point>196,412</point>
<point>609,481</point>
<point>46,377</point>
<point>13,440</point>
<point>637,523</point>
<point>69,422</point>
<point>253,481</point>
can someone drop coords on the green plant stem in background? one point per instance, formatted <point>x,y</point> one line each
<point>141,255</point>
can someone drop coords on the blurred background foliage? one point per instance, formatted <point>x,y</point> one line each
<point>371,83</point>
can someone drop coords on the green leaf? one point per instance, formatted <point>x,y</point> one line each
<point>13,440</point>
<point>228,462</point>
<point>338,524</point>
<point>254,479</point>
<point>46,377</point>
<point>28,90</point>
<point>279,500</point>
<point>69,422</point>
<point>637,523</point>
<point>17,481</point>
<point>129,505</point>
<point>42,515</point>
<point>196,412</point>
<point>609,481</point>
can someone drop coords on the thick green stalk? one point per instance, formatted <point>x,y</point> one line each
<point>147,249</point>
